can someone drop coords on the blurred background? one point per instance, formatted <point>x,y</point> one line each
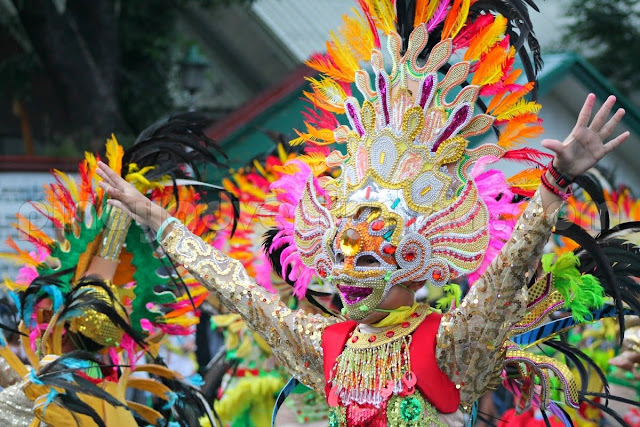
<point>73,72</point>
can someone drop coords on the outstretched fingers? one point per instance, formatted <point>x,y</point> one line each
<point>613,122</point>
<point>585,112</point>
<point>602,114</point>
<point>616,142</point>
<point>107,174</point>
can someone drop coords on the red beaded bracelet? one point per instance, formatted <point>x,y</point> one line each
<point>552,188</point>
<point>561,180</point>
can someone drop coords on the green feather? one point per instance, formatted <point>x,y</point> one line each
<point>452,293</point>
<point>77,246</point>
<point>146,277</point>
<point>582,293</point>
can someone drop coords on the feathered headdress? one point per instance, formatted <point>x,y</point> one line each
<point>60,306</point>
<point>449,75</point>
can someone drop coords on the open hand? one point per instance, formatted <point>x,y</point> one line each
<point>126,197</point>
<point>585,145</point>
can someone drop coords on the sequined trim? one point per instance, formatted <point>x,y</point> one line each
<point>294,335</point>
<point>471,337</point>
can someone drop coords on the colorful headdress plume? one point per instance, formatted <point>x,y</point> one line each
<point>450,74</point>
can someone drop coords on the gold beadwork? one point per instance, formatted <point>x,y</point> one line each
<point>370,362</point>
<point>294,336</point>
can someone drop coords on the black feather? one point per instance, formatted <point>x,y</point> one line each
<point>608,411</point>
<point>405,12</point>
<point>581,359</point>
<point>84,297</point>
<point>575,361</point>
<point>62,373</point>
<point>614,398</point>
<point>274,259</point>
<point>608,277</point>
<point>594,190</point>
<point>545,417</point>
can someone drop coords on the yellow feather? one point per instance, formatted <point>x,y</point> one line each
<point>521,107</point>
<point>137,178</point>
<point>486,38</point>
<point>287,168</point>
<point>282,154</point>
<point>115,152</point>
<point>318,136</point>
<point>527,179</point>
<point>317,162</point>
<point>357,35</point>
<point>70,184</point>
<point>345,62</point>
<point>327,95</point>
<point>259,168</point>
<point>13,286</point>
<point>384,14</point>
<point>509,100</point>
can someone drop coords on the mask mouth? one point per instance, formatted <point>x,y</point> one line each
<point>354,294</point>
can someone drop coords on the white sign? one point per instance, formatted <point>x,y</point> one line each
<point>19,192</point>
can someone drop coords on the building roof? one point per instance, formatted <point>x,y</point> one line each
<point>565,81</point>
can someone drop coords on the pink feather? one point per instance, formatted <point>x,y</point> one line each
<point>263,273</point>
<point>438,15</point>
<point>497,196</point>
<point>292,188</point>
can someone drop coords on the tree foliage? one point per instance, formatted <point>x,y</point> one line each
<point>109,62</point>
<point>607,32</point>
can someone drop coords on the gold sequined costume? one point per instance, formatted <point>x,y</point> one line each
<point>494,304</point>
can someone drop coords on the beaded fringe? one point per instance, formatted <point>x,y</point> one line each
<point>361,374</point>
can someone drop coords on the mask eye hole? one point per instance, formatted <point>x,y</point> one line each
<point>367,261</point>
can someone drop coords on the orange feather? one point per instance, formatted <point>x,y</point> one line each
<point>456,18</point>
<point>486,38</point>
<point>490,69</point>
<point>21,256</point>
<point>515,133</point>
<point>422,11</point>
<point>355,32</point>
<point>528,179</point>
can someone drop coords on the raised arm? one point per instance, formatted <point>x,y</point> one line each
<point>294,336</point>
<point>471,336</point>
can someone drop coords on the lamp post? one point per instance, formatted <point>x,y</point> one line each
<point>192,69</point>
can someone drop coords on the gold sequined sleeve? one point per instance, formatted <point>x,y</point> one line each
<point>293,335</point>
<point>470,337</point>
<point>15,407</point>
<point>632,338</point>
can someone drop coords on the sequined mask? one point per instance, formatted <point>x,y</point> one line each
<point>404,196</point>
<point>364,261</point>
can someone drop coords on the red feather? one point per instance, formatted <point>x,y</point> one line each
<point>529,155</point>
<point>466,34</point>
